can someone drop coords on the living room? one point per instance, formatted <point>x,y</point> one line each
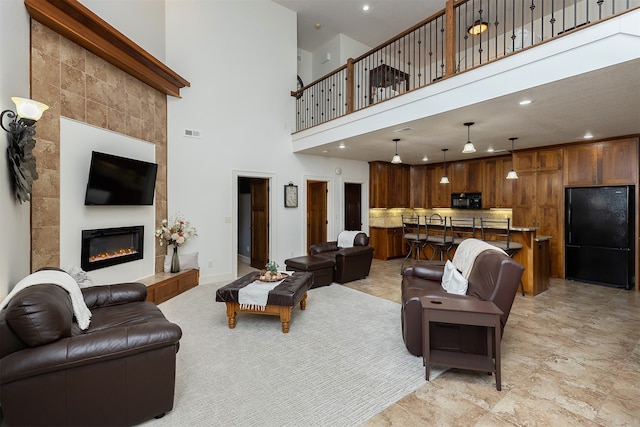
<point>245,130</point>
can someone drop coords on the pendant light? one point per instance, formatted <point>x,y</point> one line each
<point>396,159</point>
<point>468,147</point>
<point>444,179</point>
<point>512,173</point>
<point>478,27</point>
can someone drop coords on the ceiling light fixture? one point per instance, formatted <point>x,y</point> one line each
<point>341,145</point>
<point>396,159</point>
<point>478,27</point>
<point>444,179</point>
<point>365,7</point>
<point>525,102</point>
<point>425,158</point>
<point>588,135</point>
<point>512,173</point>
<point>468,147</point>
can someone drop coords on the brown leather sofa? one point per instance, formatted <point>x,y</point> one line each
<point>119,371</point>
<point>493,277</point>
<point>352,263</point>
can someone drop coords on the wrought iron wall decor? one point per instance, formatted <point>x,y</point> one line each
<point>21,130</point>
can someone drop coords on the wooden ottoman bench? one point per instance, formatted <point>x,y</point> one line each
<point>280,301</point>
<point>322,268</point>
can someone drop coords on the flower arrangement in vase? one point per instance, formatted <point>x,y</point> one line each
<point>175,231</point>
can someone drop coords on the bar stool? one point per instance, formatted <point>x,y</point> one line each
<point>415,235</point>
<point>497,232</point>
<point>436,227</point>
<point>462,229</point>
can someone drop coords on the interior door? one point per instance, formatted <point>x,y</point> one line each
<point>352,206</point>
<point>259,222</point>
<point>316,212</point>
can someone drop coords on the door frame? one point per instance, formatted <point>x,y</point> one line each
<point>271,177</point>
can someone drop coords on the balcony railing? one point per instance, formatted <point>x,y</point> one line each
<point>465,35</point>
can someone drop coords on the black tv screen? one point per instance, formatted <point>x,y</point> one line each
<point>115,180</point>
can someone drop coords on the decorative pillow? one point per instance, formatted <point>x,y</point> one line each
<point>453,281</point>
<point>187,261</point>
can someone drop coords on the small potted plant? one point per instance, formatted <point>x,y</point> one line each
<point>270,273</point>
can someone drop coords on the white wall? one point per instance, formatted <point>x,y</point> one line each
<point>14,81</point>
<point>77,141</point>
<point>140,20</point>
<point>240,101</point>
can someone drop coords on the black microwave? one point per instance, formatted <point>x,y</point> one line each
<point>466,200</point>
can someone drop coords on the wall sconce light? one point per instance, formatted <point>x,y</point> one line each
<point>21,128</point>
<point>468,147</point>
<point>512,173</point>
<point>478,27</point>
<point>396,159</point>
<point>444,179</point>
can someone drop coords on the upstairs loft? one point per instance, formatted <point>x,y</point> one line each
<point>438,67</point>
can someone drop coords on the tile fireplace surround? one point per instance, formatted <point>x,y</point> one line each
<point>81,86</point>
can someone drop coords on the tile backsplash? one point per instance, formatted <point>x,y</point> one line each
<point>388,218</point>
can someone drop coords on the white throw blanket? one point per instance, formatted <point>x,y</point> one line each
<point>65,281</point>
<point>346,238</point>
<point>466,254</point>
<point>254,296</point>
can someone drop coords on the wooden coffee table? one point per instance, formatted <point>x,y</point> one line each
<point>281,300</point>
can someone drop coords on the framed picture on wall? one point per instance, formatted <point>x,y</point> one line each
<point>290,196</point>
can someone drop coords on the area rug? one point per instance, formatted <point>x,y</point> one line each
<point>342,362</point>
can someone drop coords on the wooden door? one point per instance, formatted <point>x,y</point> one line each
<point>316,212</point>
<point>352,206</point>
<point>259,222</point>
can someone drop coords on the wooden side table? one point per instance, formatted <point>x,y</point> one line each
<point>462,312</point>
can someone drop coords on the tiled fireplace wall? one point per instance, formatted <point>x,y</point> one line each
<point>76,84</point>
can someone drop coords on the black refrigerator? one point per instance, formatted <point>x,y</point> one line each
<point>599,235</point>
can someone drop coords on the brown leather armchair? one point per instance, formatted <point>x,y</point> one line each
<point>119,371</point>
<point>352,263</point>
<point>494,277</point>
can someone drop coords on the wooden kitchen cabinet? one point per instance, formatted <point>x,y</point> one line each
<point>467,176</point>
<point>497,191</point>
<point>440,194</point>
<point>602,163</point>
<point>537,199</point>
<point>387,242</point>
<point>419,183</point>
<point>389,185</point>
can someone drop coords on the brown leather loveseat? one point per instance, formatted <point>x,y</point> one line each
<point>494,277</point>
<point>351,263</point>
<point>119,371</point>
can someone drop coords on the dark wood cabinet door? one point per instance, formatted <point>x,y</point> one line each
<point>581,164</point>
<point>620,162</point>
<point>419,184</point>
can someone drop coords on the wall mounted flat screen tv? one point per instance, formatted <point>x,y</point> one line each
<point>115,180</point>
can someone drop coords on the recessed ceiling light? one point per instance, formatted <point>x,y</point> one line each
<point>525,102</point>
<point>490,150</point>
<point>425,158</point>
<point>588,135</point>
<point>365,7</point>
<point>341,145</point>
<point>325,151</point>
<point>317,26</point>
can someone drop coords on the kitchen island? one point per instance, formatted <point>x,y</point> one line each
<point>534,255</point>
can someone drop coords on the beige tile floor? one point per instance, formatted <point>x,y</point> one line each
<point>570,356</point>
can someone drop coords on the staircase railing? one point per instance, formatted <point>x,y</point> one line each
<point>465,35</point>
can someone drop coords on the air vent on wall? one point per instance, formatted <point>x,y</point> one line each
<point>404,129</point>
<point>192,133</point>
